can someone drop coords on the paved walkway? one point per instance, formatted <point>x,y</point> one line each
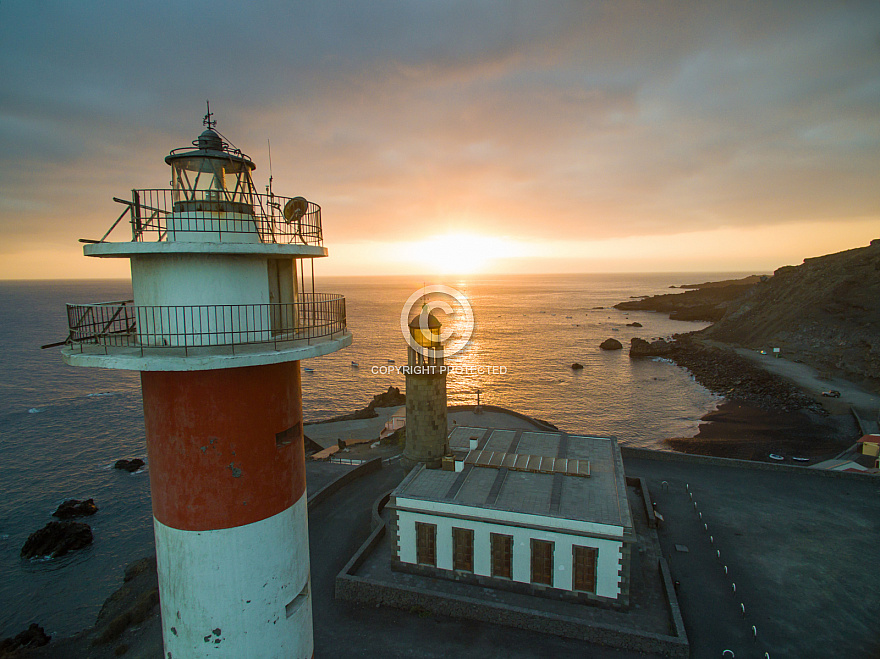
<point>327,434</point>
<point>490,419</point>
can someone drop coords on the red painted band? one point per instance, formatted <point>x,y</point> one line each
<point>215,461</point>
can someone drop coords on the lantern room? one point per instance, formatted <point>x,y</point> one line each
<point>426,346</point>
<point>425,330</point>
<point>211,173</point>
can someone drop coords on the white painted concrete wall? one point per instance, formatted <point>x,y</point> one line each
<point>189,280</point>
<point>243,582</point>
<point>608,562</point>
<point>186,279</point>
<point>205,227</point>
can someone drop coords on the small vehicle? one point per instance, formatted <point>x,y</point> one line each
<point>831,394</point>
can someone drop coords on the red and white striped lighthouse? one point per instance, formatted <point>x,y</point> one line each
<point>218,325</point>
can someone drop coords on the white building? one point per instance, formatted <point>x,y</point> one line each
<point>538,512</point>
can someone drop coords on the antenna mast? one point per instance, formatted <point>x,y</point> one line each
<point>269,187</point>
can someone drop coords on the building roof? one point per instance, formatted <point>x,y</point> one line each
<point>870,439</point>
<point>551,488</point>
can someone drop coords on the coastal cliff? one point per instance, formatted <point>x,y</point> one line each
<point>825,312</point>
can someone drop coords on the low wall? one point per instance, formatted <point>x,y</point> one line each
<point>642,486</point>
<point>356,589</point>
<point>672,599</point>
<point>673,456</point>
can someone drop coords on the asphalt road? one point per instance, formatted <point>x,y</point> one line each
<point>797,545</point>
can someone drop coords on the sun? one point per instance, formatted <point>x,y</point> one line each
<point>461,253</point>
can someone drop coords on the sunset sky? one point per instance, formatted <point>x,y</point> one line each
<point>458,136</point>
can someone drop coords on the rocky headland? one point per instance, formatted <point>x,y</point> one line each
<point>708,301</point>
<point>823,313</point>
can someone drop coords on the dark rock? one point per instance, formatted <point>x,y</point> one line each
<point>397,437</point>
<point>611,344</point>
<point>56,539</point>
<point>598,307</point>
<point>76,508</point>
<point>577,367</point>
<point>390,398</point>
<point>140,610</point>
<point>129,465</point>
<point>32,637</point>
<point>134,602</point>
<point>136,568</point>
<point>825,311</point>
<point>659,348</point>
<point>634,325</point>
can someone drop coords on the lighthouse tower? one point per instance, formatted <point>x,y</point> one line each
<point>218,325</point>
<point>425,394</point>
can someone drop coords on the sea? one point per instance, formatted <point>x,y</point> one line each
<point>62,428</point>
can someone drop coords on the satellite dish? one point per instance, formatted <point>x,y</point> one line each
<point>295,208</point>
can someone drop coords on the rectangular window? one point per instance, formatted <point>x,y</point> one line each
<point>426,543</point>
<point>463,550</point>
<point>542,562</point>
<point>585,559</point>
<point>502,555</point>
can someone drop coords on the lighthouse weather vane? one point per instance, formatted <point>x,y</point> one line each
<point>210,123</point>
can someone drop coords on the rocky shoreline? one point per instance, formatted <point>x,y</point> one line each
<point>727,374</point>
<point>762,413</point>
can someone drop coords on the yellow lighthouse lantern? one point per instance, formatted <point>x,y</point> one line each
<point>425,330</point>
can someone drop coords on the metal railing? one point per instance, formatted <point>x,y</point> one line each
<point>213,216</point>
<point>109,325</point>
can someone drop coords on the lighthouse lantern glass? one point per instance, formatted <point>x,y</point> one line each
<point>211,179</point>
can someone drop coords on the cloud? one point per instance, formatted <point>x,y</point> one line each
<point>579,121</point>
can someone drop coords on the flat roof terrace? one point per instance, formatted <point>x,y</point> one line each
<point>599,497</point>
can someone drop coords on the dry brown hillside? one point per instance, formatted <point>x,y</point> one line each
<point>825,312</point>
